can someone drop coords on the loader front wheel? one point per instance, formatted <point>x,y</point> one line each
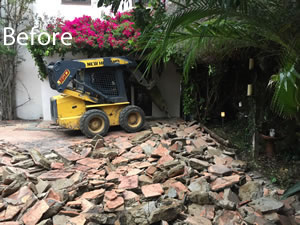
<point>94,122</point>
<point>132,118</point>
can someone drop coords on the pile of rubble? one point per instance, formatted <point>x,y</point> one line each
<point>169,174</point>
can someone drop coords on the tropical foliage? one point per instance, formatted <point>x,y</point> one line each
<point>201,27</point>
<point>113,35</point>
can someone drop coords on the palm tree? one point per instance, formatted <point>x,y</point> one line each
<point>269,25</point>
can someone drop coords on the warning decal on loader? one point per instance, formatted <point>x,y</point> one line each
<point>91,63</point>
<point>63,77</point>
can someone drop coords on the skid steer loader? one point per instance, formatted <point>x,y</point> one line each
<point>93,95</point>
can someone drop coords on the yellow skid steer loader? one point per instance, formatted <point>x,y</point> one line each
<point>94,95</point>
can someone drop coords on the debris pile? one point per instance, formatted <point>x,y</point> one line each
<point>170,174</point>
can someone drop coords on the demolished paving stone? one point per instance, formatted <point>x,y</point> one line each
<point>93,163</point>
<point>199,184</point>
<point>250,191</point>
<point>9,213</point>
<point>55,174</point>
<point>93,194</point>
<point>198,164</point>
<point>207,211</point>
<point>219,170</point>
<point>34,214</point>
<point>152,190</point>
<point>111,195</point>
<point>167,175</point>
<point>115,203</point>
<point>195,220</point>
<point>224,182</point>
<point>68,154</point>
<point>266,204</point>
<point>166,212</point>
<point>128,182</point>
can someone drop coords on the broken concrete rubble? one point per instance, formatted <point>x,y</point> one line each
<point>167,174</point>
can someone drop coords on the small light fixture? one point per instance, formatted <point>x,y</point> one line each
<point>272,133</point>
<point>251,64</point>
<point>222,114</point>
<point>249,90</point>
<point>240,104</point>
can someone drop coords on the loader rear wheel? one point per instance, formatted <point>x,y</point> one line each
<point>132,118</point>
<point>94,122</point>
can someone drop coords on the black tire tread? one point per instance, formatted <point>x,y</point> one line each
<point>124,116</point>
<point>84,128</point>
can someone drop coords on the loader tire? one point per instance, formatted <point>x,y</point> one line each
<point>132,118</point>
<point>94,122</point>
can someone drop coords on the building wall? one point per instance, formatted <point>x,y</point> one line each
<point>169,86</point>
<point>33,95</point>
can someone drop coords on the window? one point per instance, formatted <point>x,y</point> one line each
<point>76,2</point>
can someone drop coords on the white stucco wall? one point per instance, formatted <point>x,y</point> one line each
<point>28,89</point>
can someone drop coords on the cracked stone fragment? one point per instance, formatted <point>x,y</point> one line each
<point>128,182</point>
<point>224,182</point>
<point>144,180</point>
<point>160,151</point>
<point>110,195</point>
<point>105,153</point>
<point>175,171</point>
<point>220,170</point>
<point>20,197</point>
<point>172,193</point>
<point>199,142</point>
<point>55,174</point>
<point>266,204</point>
<point>68,154</point>
<point>120,161</point>
<point>115,203</point>
<point>238,164</point>
<point>152,190</point>
<point>12,188</point>
<point>151,170</point>
<point>160,176</point>
<point>123,145</point>
<point>60,219</point>
<point>199,197</point>
<point>141,136</point>
<point>157,130</point>
<point>230,200</point>
<point>34,214</point>
<point>198,164</point>
<point>39,159</point>
<point>78,220</point>
<point>9,213</point>
<point>166,212</point>
<point>207,211</point>
<point>147,148</point>
<point>165,159</point>
<point>93,163</point>
<point>199,184</point>
<point>250,191</point>
<point>196,220</point>
<point>228,217</point>
<point>93,194</point>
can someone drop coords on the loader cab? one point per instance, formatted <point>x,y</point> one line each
<point>109,81</point>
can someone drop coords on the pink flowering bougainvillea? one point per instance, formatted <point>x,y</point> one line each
<point>112,33</point>
<point>92,37</point>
